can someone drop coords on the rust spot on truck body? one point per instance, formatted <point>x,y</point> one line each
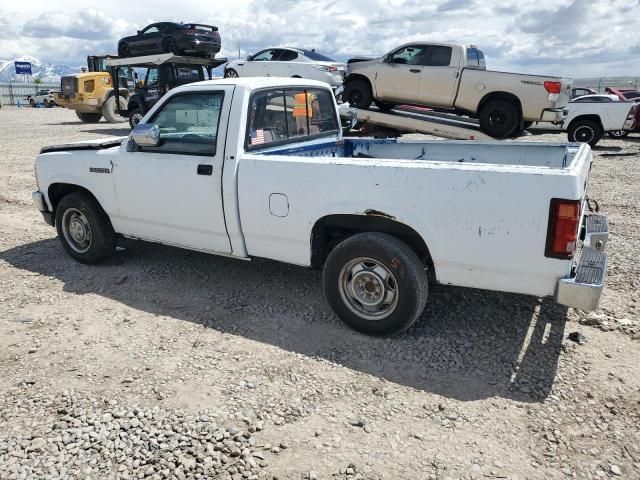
<point>378,213</point>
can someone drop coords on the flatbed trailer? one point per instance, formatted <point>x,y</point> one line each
<point>114,63</point>
<point>408,119</point>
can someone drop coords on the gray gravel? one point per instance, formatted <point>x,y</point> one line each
<point>164,363</point>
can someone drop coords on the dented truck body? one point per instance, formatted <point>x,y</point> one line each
<point>488,215</point>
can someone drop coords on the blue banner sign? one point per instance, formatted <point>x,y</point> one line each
<point>23,68</point>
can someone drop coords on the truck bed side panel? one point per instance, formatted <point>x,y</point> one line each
<point>529,89</point>
<point>483,224</point>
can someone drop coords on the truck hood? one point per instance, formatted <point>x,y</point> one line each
<point>99,144</point>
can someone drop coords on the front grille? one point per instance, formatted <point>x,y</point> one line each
<point>69,85</point>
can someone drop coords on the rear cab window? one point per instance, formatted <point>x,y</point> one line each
<point>282,116</point>
<point>475,59</point>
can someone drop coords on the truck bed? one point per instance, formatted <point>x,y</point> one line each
<point>548,155</point>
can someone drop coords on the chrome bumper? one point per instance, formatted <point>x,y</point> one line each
<point>38,201</point>
<point>553,115</point>
<point>41,205</point>
<point>583,289</point>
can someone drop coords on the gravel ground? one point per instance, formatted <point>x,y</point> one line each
<point>165,363</point>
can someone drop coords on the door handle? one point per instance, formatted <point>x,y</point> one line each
<point>414,70</point>
<point>205,169</point>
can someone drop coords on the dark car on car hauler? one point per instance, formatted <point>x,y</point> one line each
<point>171,37</point>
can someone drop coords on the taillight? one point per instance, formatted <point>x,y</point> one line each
<point>553,87</point>
<point>562,232</point>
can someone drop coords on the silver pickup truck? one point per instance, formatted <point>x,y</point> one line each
<point>454,77</point>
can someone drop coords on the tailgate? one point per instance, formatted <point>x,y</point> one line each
<point>565,92</point>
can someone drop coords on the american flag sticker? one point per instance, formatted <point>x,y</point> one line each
<point>257,137</point>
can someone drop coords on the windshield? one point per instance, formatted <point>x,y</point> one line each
<point>313,55</point>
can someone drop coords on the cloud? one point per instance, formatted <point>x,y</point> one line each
<point>565,37</point>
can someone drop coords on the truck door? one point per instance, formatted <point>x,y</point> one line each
<point>439,77</point>
<point>172,193</point>
<point>398,76</point>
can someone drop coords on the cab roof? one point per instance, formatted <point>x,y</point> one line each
<point>254,83</point>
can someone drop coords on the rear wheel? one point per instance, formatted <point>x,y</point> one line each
<point>585,131</point>
<point>375,283</point>
<point>135,116</point>
<point>499,118</point>
<point>358,93</point>
<point>109,109</point>
<point>619,133</point>
<point>84,229</point>
<point>231,73</point>
<point>89,117</point>
<point>32,102</point>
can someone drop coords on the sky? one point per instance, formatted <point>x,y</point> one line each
<point>573,38</point>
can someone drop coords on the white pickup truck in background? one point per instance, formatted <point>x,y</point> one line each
<point>240,167</point>
<point>454,77</point>
<point>589,117</point>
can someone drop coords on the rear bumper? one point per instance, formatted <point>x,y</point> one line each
<point>200,46</point>
<point>584,287</point>
<point>41,205</point>
<point>553,115</point>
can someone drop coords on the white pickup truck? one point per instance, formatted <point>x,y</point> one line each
<point>589,117</point>
<point>454,77</point>
<point>239,167</point>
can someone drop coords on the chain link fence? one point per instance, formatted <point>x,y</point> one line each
<point>600,84</point>
<point>14,92</point>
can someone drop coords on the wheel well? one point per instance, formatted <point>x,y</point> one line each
<point>509,97</point>
<point>57,191</point>
<point>357,76</point>
<point>329,231</point>
<point>592,118</point>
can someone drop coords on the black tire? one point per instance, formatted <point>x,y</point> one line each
<point>89,117</point>
<point>619,133</point>
<point>32,102</point>
<point>384,106</point>
<point>407,281</point>
<point>169,45</point>
<point>46,103</point>
<point>135,115</point>
<point>584,131</point>
<point>109,110</point>
<point>123,50</point>
<point>526,125</point>
<point>499,118</point>
<point>231,73</point>
<point>76,209</point>
<point>358,93</point>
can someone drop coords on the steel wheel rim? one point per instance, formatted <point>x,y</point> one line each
<point>76,230</point>
<point>584,134</point>
<point>368,288</point>
<point>135,118</point>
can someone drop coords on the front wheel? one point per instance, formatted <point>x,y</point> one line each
<point>499,118</point>
<point>32,102</point>
<point>231,73</point>
<point>584,131</point>
<point>619,133</point>
<point>135,116</point>
<point>89,117</point>
<point>358,93</point>
<point>375,284</point>
<point>84,229</point>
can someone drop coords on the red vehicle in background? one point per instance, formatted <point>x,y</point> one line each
<point>625,94</point>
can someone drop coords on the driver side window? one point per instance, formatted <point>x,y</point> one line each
<point>188,124</point>
<point>409,55</point>
<point>150,30</point>
<point>267,55</point>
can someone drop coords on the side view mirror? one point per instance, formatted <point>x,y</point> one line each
<point>249,58</point>
<point>387,58</point>
<point>146,135</point>
<point>348,121</point>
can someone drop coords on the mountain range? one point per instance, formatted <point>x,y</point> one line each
<point>48,72</point>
